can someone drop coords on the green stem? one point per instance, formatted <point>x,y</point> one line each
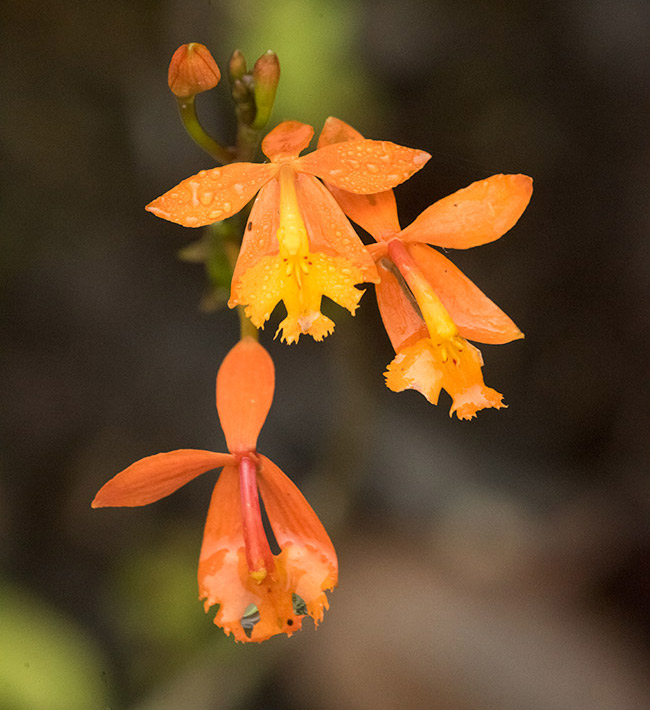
<point>187,108</point>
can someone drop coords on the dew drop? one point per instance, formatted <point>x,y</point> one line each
<point>206,197</point>
<point>372,168</point>
<point>194,186</point>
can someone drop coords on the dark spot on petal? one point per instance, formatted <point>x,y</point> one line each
<point>249,226</point>
<point>289,622</point>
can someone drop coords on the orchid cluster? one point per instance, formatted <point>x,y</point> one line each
<point>298,245</point>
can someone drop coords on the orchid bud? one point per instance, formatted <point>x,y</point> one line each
<point>266,75</point>
<point>236,66</point>
<point>192,70</point>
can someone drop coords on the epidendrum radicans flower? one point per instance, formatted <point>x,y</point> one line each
<point>237,568</point>
<point>298,245</point>
<point>428,306</point>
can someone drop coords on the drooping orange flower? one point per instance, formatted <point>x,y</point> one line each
<point>428,306</point>
<point>237,568</point>
<point>298,245</point>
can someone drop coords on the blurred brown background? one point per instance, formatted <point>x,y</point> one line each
<point>496,564</point>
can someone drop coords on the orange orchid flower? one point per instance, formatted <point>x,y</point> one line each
<point>237,568</point>
<point>298,245</point>
<point>428,306</point>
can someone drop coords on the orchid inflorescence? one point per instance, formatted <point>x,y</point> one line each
<point>297,246</point>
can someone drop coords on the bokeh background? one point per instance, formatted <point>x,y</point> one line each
<point>498,564</point>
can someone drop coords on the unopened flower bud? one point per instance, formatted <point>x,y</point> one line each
<point>266,75</point>
<point>192,70</point>
<point>236,66</point>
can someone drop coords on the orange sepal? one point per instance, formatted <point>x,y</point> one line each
<point>287,140</point>
<point>309,557</point>
<point>224,577</point>
<point>403,324</point>
<point>212,195</point>
<point>377,214</point>
<point>475,315</point>
<point>155,477</point>
<point>365,166</point>
<point>477,214</point>
<point>245,385</point>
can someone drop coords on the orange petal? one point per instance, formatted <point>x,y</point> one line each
<point>402,322</point>
<point>224,577</point>
<point>245,384</point>
<point>477,214</point>
<point>476,316</point>
<point>329,230</point>
<point>155,477</point>
<point>287,140</point>
<point>311,563</point>
<point>223,570</point>
<point>260,236</point>
<point>363,167</point>
<point>212,195</point>
<point>377,214</point>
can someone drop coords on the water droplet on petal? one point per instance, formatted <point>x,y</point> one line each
<point>206,197</point>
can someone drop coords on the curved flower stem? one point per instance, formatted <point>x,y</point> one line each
<point>187,108</point>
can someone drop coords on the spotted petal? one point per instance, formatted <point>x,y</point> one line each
<point>377,213</point>
<point>363,167</point>
<point>212,195</point>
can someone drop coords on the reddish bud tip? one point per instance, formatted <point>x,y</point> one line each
<point>192,70</point>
